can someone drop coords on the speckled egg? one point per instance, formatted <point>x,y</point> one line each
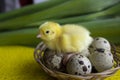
<point>100,44</point>
<point>102,60</point>
<point>78,65</point>
<point>53,60</point>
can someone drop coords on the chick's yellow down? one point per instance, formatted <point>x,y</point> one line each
<point>65,38</point>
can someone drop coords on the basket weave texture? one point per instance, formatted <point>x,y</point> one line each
<point>38,55</point>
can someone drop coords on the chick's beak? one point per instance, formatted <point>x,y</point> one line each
<point>38,36</point>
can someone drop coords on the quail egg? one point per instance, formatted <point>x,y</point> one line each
<point>78,65</point>
<point>102,60</point>
<point>100,44</point>
<point>53,60</point>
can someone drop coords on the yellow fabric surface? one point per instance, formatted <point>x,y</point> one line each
<point>17,63</point>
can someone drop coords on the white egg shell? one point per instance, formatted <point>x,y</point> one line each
<point>79,65</point>
<point>100,43</point>
<point>102,60</point>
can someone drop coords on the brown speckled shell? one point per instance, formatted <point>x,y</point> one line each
<point>38,54</point>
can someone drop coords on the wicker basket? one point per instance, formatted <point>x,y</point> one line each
<point>64,76</point>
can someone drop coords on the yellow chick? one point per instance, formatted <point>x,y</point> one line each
<point>66,38</point>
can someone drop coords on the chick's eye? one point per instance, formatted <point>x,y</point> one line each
<point>47,32</point>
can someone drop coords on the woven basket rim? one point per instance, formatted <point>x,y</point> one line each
<point>41,48</point>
